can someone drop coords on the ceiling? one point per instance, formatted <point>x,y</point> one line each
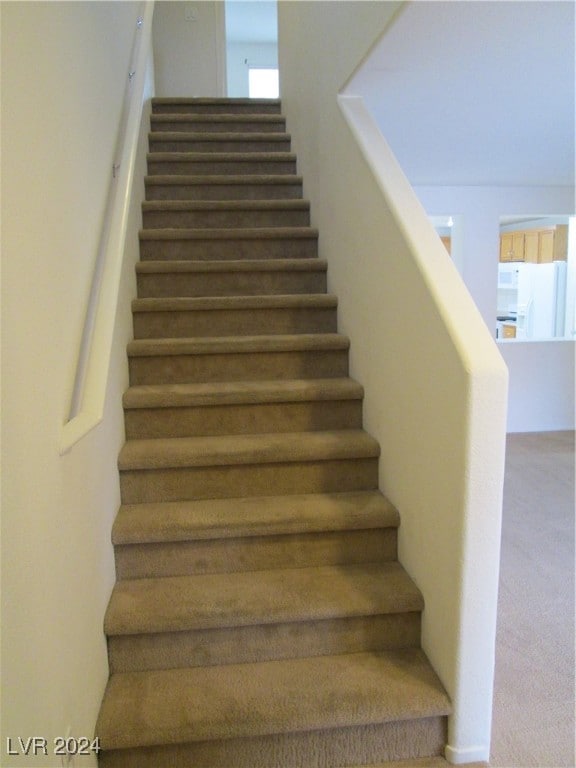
<point>251,21</point>
<point>476,92</point>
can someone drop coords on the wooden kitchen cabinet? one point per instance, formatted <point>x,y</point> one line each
<point>546,249</point>
<point>535,246</point>
<point>505,247</point>
<point>531,246</point>
<point>512,246</point>
<point>561,242</point>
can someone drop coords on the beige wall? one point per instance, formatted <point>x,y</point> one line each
<point>189,55</point>
<point>64,69</point>
<point>435,383</point>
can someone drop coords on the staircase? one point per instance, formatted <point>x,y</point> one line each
<point>260,617</point>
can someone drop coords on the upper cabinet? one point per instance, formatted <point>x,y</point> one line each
<point>536,246</point>
<point>561,243</point>
<point>512,246</point>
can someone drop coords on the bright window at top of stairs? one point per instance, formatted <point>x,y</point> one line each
<point>263,83</point>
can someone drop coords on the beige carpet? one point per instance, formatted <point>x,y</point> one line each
<point>231,645</point>
<point>533,722</point>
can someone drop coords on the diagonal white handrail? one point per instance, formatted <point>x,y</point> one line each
<point>91,376</point>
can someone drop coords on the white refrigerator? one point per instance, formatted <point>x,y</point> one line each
<point>541,300</point>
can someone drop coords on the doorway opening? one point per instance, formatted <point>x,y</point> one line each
<point>251,44</point>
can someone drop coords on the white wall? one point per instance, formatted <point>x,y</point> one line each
<point>435,384</point>
<point>476,93</point>
<point>64,70</point>
<point>541,394</point>
<point>240,57</point>
<point>189,48</point>
<point>477,211</point>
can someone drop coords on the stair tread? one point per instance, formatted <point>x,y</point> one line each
<point>239,344</point>
<point>183,705</point>
<point>219,100</point>
<point>224,157</point>
<point>223,179</point>
<point>229,233</point>
<point>248,517</point>
<point>218,117</point>
<point>241,392</point>
<point>202,303</point>
<point>248,598</point>
<point>221,136</point>
<point>240,265</point>
<point>270,448</point>
<point>226,205</point>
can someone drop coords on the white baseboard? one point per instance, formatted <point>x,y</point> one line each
<point>467,755</point>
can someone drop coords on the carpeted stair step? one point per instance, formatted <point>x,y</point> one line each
<point>233,315</point>
<point>247,517</point>
<point>187,548</point>
<point>235,141</point>
<point>223,187</point>
<point>229,243</point>
<point>277,596</point>
<point>273,532</point>
<point>332,710</point>
<point>247,465</point>
<point>210,124</point>
<point>216,163</point>
<point>210,105</point>
<point>211,619</point>
<point>263,642</point>
<point>230,278</point>
<point>186,410</point>
<point>157,214</point>
<point>247,449</point>
<point>256,358</point>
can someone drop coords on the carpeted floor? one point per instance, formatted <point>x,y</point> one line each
<point>533,721</point>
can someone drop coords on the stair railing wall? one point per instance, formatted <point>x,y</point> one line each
<point>477,425</point>
<point>93,363</point>
<point>435,384</point>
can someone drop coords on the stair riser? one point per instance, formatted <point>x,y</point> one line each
<point>217,219</point>
<point>182,369</point>
<point>243,419</point>
<point>256,553</point>
<point>263,642</point>
<point>193,125</point>
<point>219,249</point>
<point>248,322</point>
<point>210,191</point>
<point>351,746</point>
<point>221,482</point>
<point>217,168</point>
<point>196,284</point>
<point>280,144</point>
<point>247,107</point>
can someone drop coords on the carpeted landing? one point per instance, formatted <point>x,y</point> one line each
<point>260,618</point>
